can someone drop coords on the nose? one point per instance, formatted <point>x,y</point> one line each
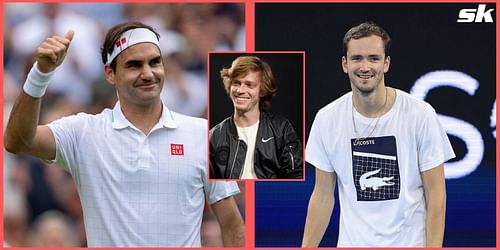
<point>365,65</point>
<point>147,73</point>
<point>240,88</point>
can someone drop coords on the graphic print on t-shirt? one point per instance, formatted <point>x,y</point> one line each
<point>375,168</point>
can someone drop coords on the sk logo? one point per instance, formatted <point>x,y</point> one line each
<point>478,15</point>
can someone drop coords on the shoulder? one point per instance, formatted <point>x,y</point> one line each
<point>411,104</point>
<point>82,118</point>
<point>189,121</point>
<point>221,124</point>
<point>273,118</point>
<point>76,127</point>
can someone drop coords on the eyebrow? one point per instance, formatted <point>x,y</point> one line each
<point>157,58</point>
<point>139,62</point>
<point>133,62</point>
<point>244,81</point>
<point>369,56</point>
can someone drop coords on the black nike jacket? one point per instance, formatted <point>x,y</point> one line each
<point>278,151</point>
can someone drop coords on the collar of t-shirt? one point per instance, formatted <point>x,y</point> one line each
<point>119,120</point>
<point>248,134</point>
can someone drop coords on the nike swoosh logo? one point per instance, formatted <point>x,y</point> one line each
<point>266,140</point>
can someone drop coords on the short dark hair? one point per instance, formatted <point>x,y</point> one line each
<point>246,64</point>
<point>367,29</point>
<point>114,34</point>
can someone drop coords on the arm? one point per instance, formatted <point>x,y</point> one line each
<point>231,223</point>
<point>23,135</point>
<point>320,208</point>
<point>435,203</point>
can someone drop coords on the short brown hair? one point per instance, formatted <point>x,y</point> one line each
<point>367,29</point>
<point>114,34</point>
<point>246,64</point>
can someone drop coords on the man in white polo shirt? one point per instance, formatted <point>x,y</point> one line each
<point>140,169</point>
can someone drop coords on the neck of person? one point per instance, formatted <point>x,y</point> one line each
<point>246,118</point>
<point>144,117</point>
<point>375,103</point>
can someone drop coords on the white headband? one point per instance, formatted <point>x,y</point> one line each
<point>132,37</point>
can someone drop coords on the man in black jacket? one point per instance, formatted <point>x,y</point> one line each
<point>253,143</point>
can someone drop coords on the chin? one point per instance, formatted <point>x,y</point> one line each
<point>366,88</point>
<point>240,109</point>
<point>149,99</point>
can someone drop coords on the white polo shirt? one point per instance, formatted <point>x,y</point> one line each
<point>139,190</point>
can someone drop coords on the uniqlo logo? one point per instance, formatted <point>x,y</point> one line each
<point>177,149</point>
<point>121,42</point>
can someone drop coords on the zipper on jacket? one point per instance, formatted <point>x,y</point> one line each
<point>234,160</point>
<point>291,156</point>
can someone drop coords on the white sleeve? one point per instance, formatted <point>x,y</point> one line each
<point>218,190</point>
<point>434,147</point>
<point>316,153</point>
<point>67,133</point>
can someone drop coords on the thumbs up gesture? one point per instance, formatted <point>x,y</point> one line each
<point>51,53</point>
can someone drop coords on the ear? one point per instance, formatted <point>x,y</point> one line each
<point>110,74</point>
<point>344,64</point>
<point>387,63</point>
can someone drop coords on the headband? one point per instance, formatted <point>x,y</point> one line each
<point>132,37</point>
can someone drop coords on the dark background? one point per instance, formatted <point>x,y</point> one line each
<point>426,37</point>
<point>288,72</point>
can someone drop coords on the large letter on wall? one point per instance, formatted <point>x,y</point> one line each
<point>456,127</point>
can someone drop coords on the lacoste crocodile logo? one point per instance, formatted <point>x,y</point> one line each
<point>266,140</point>
<point>374,182</point>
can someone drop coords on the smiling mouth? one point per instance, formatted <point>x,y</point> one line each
<point>146,85</point>
<point>365,76</point>
<point>239,98</point>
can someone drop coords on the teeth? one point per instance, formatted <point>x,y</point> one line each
<point>365,76</point>
<point>144,84</point>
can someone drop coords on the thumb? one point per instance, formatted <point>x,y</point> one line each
<point>69,35</point>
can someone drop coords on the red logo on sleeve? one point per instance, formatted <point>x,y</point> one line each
<point>177,149</point>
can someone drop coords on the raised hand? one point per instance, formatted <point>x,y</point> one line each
<point>51,53</point>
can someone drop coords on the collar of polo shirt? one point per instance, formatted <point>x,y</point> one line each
<point>119,121</point>
<point>130,38</point>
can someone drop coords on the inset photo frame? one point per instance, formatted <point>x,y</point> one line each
<point>257,105</point>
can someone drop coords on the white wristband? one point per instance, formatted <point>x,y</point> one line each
<point>37,82</point>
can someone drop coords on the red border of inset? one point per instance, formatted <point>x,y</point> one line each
<point>303,53</point>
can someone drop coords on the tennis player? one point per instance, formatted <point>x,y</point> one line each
<point>140,169</point>
<point>384,149</point>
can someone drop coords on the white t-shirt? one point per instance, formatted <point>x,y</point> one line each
<point>248,135</point>
<point>138,190</point>
<point>380,188</point>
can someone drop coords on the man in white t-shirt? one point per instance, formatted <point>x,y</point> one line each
<point>253,143</point>
<point>385,149</point>
<point>140,169</point>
